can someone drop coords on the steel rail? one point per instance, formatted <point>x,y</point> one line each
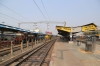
<point>39,61</point>
<point>11,60</point>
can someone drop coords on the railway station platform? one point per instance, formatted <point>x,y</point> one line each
<point>69,54</point>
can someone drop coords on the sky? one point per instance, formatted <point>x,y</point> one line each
<point>73,12</point>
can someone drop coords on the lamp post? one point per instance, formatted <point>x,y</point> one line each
<point>71,34</point>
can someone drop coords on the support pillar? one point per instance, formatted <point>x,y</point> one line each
<point>71,37</point>
<point>35,41</point>
<point>32,43</point>
<point>2,34</point>
<point>22,46</point>
<point>27,44</point>
<point>11,49</point>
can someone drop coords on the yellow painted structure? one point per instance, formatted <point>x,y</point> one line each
<point>47,36</point>
<point>88,28</point>
<point>67,29</point>
<point>84,28</point>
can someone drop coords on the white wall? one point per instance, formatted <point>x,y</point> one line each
<point>76,29</point>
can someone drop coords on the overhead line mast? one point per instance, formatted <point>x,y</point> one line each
<point>41,22</point>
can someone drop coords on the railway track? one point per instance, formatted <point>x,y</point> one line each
<point>35,57</point>
<point>47,60</point>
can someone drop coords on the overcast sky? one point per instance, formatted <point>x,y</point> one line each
<point>73,12</point>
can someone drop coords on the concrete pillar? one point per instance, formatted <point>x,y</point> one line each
<point>22,46</point>
<point>91,45</point>
<point>32,43</point>
<point>27,44</point>
<point>2,35</point>
<point>44,40</point>
<point>11,49</point>
<point>35,41</point>
<point>70,36</point>
<point>40,41</point>
<point>78,43</point>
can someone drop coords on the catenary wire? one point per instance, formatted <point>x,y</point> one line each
<point>45,9</point>
<point>40,10</point>
<point>10,17</point>
<point>14,11</point>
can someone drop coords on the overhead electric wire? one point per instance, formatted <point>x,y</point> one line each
<point>39,9</point>
<point>10,17</point>
<point>45,9</point>
<point>14,11</point>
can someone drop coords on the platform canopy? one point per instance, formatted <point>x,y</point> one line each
<point>13,29</point>
<point>63,33</point>
<point>83,28</point>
